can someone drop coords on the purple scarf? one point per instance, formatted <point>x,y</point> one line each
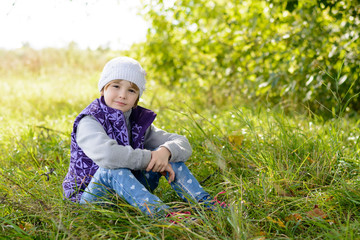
<point>81,167</point>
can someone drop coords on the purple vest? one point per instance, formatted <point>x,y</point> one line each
<point>81,167</point>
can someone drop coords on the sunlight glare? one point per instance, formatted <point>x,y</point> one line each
<point>56,23</point>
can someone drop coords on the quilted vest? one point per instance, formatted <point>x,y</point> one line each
<point>82,168</point>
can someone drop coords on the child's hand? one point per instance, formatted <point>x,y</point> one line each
<point>159,160</point>
<point>170,171</point>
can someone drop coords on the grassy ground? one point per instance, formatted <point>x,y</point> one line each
<point>287,176</point>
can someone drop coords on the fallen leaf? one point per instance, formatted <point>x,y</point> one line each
<point>278,221</point>
<point>316,213</point>
<point>26,226</point>
<point>236,140</point>
<point>294,217</point>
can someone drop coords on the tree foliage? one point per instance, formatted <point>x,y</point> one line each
<point>280,51</point>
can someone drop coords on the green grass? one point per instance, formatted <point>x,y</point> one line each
<point>281,167</point>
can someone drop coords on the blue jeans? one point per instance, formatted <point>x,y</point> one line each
<point>136,187</point>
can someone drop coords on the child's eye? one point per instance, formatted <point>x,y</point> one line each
<point>115,86</point>
<point>132,91</point>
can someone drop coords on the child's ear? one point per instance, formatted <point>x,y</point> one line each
<point>102,92</point>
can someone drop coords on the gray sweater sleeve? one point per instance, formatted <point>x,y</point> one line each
<point>105,151</point>
<point>178,145</point>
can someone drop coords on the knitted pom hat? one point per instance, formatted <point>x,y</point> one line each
<point>123,68</point>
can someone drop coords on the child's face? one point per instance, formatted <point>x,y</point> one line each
<point>121,95</point>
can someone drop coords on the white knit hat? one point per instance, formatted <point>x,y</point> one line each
<point>123,68</point>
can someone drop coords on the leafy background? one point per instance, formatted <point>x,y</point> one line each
<point>278,52</point>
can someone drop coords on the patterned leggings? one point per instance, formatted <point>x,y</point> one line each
<point>136,187</point>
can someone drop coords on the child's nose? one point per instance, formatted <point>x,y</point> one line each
<point>122,94</point>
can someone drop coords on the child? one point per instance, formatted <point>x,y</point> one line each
<point>116,149</point>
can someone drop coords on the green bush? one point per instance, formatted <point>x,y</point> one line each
<point>281,52</point>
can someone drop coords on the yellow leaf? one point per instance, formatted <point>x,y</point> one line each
<point>281,223</point>
<point>236,140</point>
<point>278,221</point>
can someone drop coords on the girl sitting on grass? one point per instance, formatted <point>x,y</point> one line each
<point>115,148</point>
